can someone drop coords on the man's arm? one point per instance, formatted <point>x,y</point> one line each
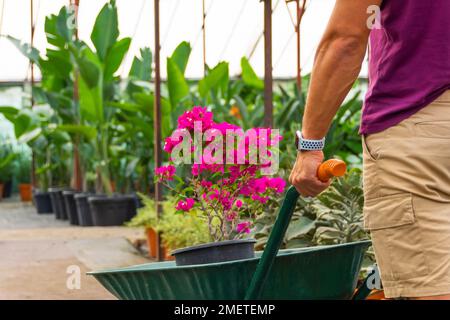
<point>337,64</point>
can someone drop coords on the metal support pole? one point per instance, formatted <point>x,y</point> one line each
<point>157,123</point>
<point>268,80</point>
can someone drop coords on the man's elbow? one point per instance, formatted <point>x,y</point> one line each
<point>345,45</point>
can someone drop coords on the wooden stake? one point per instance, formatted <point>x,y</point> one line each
<point>268,79</point>
<point>157,123</point>
<point>33,160</point>
<point>77,171</point>
<point>204,36</point>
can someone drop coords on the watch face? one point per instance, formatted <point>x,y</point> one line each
<point>297,140</point>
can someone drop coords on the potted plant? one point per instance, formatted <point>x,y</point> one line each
<point>7,156</point>
<point>146,218</point>
<point>23,176</point>
<point>228,197</point>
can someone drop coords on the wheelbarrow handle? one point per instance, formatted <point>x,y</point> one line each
<point>326,170</point>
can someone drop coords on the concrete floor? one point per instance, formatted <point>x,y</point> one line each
<point>40,257</point>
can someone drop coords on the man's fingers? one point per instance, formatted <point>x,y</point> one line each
<point>309,187</point>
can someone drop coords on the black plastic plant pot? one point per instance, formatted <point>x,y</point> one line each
<point>71,208</point>
<point>42,202</point>
<point>215,252</point>
<point>112,211</point>
<point>83,209</point>
<point>7,189</point>
<point>59,207</point>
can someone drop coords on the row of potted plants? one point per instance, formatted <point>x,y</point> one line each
<point>86,209</point>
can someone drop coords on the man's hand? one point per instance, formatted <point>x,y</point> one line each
<point>304,174</point>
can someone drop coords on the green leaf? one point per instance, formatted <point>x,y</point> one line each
<point>181,54</point>
<point>106,30</point>
<point>26,49</point>
<point>62,25</point>
<point>9,112</point>
<point>299,227</point>
<point>86,131</point>
<point>131,167</point>
<point>176,83</point>
<point>6,161</point>
<point>30,136</point>
<point>146,101</point>
<point>249,76</point>
<point>22,124</point>
<point>215,79</point>
<point>141,68</point>
<point>115,57</point>
<point>89,69</point>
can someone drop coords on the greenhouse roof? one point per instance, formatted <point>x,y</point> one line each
<point>232,30</point>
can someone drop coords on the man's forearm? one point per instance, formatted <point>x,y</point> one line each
<point>336,68</point>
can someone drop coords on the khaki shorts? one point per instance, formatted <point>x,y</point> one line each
<point>407,202</point>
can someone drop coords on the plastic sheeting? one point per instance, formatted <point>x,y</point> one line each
<point>232,29</point>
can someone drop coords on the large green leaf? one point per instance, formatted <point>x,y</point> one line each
<point>86,131</point>
<point>91,102</point>
<point>28,51</point>
<point>299,227</point>
<point>181,54</point>
<point>57,28</point>
<point>141,68</point>
<point>62,25</point>
<point>9,112</point>
<point>249,76</point>
<point>115,57</point>
<point>176,83</point>
<point>216,79</point>
<point>30,136</point>
<point>106,31</point>
<point>90,68</point>
<point>146,101</point>
<point>90,86</point>
<point>6,161</point>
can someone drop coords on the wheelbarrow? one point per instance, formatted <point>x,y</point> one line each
<point>322,272</point>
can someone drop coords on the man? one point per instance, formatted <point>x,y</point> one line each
<point>406,134</point>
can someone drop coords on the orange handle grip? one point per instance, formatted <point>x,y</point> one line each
<point>331,168</point>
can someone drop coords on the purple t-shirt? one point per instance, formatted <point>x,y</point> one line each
<point>409,61</point>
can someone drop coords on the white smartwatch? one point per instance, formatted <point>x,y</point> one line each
<point>308,144</point>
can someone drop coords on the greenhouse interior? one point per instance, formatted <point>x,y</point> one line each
<point>116,180</point>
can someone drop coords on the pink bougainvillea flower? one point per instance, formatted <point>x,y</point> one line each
<point>185,205</point>
<point>277,184</point>
<point>261,199</point>
<point>243,227</point>
<point>201,114</point>
<point>206,184</point>
<point>223,127</point>
<point>165,172</point>
<point>231,216</point>
<point>238,203</point>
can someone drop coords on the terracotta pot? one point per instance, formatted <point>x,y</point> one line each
<point>25,192</point>
<point>151,242</point>
<point>1,191</point>
<point>376,295</point>
<point>167,254</point>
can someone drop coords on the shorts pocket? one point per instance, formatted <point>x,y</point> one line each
<point>396,237</point>
<point>388,212</point>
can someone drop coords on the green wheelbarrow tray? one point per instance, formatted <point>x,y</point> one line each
<point>323,272</point>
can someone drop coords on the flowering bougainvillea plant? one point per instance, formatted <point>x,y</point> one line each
<point>229,194</point>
